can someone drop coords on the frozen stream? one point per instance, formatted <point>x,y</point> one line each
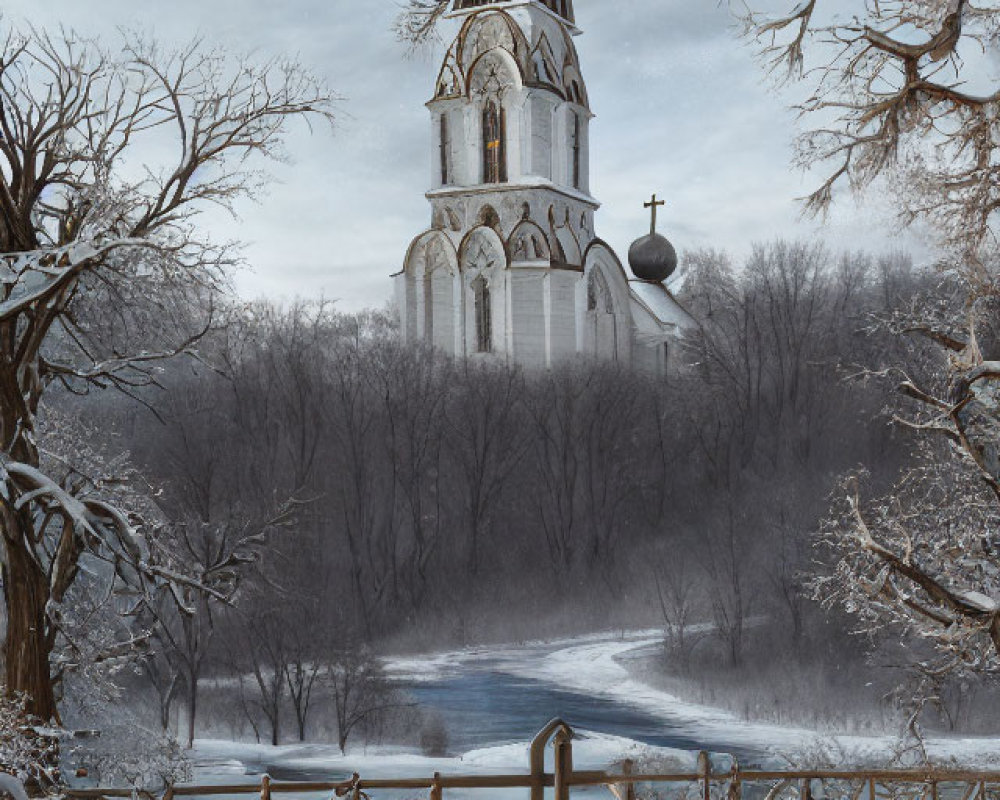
<point>490,698</point>
<point>494,699</point>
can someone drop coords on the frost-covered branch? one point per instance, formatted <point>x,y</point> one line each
<point>888,99</point>
<point>103,274</point>
<point>418,22</point>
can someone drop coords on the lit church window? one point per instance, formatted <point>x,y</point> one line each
<point>511,212</point>
<point>494,146</point>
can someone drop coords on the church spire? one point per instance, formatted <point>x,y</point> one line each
<point>561,8</point>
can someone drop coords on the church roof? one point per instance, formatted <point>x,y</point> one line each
<point>656,299</point>
<point>562,8</point>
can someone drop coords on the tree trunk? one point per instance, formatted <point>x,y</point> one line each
<point>27,647</point>
<point>192,708</point>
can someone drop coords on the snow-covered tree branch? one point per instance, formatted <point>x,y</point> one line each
<point>96,215</point>
<point>900,95</point>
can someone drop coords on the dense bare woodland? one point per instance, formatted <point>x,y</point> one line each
<point>280,494</point>
<point>443,503</point>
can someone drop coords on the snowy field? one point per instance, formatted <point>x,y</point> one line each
<point>580,671</point>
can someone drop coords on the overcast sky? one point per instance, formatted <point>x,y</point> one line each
<point>681,111</point>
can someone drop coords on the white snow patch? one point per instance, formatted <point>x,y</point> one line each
<point>591,665</point>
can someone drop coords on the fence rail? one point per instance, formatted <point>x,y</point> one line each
<point>895,784</point>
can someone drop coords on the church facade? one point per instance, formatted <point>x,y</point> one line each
<point>511,266</point>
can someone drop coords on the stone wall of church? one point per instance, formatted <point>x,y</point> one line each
<point>511,254</point>
<point>561,295</point>
<point>527,316</point>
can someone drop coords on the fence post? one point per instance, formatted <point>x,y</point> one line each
<point>629,792</point>
<point>436,791</point>
<point>265,787</point>
<point>705,773</point>
<point>537,756</point>
<point>806,792</point>
<point>563,746</point>
<point>735,784</point>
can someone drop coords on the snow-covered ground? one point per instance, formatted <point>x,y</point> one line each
<point>592,665</point>
<point>224,762</point>
<point>585,667</point>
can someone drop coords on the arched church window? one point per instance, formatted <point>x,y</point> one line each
<point>577,148</point>
<point>484,315</point>
<point>445,145</point>
<point>494,144</point>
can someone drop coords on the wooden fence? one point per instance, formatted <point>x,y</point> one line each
<point>900,784</point>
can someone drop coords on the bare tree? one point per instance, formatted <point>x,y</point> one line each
<point>488,441</point>
<point>268,647</point>
<point>77,227</point>
<point>677,581</point>
<point>367,525</point>
<point>303,665</point>
<point>361,692</point>
<point>418,21</point>
<point>726,561</point>
<point>220,555</point>
<point>889,104</point>
<point>895,105</point>
<point>414,389</point>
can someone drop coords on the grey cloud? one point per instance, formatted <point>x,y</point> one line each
<point>681,109</point>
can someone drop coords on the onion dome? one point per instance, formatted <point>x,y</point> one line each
<point>652,257</point>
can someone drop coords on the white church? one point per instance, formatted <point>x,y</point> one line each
<point>511,265</point>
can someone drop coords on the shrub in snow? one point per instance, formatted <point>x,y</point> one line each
<point>118,750</point>
<point>434,737</point>
<point>27,751</point>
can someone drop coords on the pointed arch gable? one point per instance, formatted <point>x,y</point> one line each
<point>544,68</point>
<point>472,46</point>
<point>599,257</point>
<point>599,246</point>
<point>574,89</point>
<point>476,80</point>
<point>416,263</point>
<point>604,276</point>
<point>528,242</point>
<point>565,244</point>
<point>450,80</point>
<point>479,241</point>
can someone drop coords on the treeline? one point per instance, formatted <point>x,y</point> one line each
<point>413,501</point>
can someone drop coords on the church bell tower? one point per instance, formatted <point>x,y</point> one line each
<point>511,266</point>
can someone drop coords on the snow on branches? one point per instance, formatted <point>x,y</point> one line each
<point>901,93</point>
<point>103,274</point>
<point>417,22</point>
<point>25,749</point>
<point>924,558</point>
<point>898,92</point>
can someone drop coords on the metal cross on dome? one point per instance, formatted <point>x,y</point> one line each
<point>653,204</point>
